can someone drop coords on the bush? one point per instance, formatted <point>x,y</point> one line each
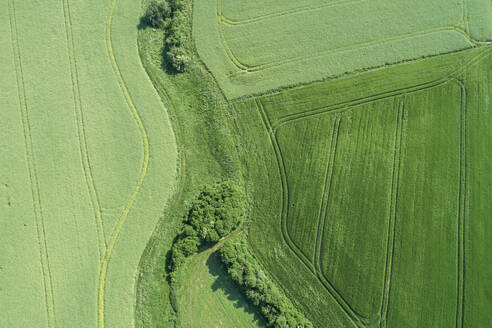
<point>178,58</point>
<point>258,288</point>
<point>158,14</point>
<point>217,211</point>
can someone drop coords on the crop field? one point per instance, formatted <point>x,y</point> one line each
<point>377,191</point>
<point>361,131</point>
<point>86,151</point>
<point>253,47</point>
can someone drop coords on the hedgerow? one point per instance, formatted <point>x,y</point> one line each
<point>217,211</point>
<point>243,268</point>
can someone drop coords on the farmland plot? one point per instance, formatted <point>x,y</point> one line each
<point>374,193</point>
<point>75,170</point>
<point>255,46</point>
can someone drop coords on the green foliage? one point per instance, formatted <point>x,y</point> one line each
<point>157,14</point>
<point>217,211</point>
<point>171,16</point>
<point>245,270</point>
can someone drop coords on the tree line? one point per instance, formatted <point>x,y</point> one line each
<point>245,270</point>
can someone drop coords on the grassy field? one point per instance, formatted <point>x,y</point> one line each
<point>254,47</point>
<point>209,298</point>
<point>86,151</point>
<point>372,188</point>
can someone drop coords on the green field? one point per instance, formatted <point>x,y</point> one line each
<point>360,130</point>
<point>86,149</point>
<point>208,297</point>
<point>253,47</point>
<point>368,187</point>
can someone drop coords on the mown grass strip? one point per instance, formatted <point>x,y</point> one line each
<point>31,164</point>
<point>143,171</point>
<point>86,165</point>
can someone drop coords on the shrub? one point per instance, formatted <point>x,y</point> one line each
<point>157,14</point>
<point>217,211</point>
<point>178,58</point>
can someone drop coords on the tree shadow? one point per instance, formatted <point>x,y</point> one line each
<point>142,24</point>
<point>224,282</point>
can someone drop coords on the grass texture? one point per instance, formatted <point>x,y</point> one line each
<point>93,149</point>
<point>369,203</point>
<point>209,298</point>
<point>253,47</point>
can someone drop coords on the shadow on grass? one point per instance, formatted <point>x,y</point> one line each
<point>230,289</point>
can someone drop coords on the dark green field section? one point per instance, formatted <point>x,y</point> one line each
<point>372,193</point>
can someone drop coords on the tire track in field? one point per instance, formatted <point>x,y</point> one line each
<point>271,129</point>
<point>33,176</point>
<point>235,61</point>
<point>246,68</point>
<point>285,197</point>
<point>143,171</point>
<point>353,317</point>
<point>293,11</point>
<point>326,188</point>
<point>461,215</point>
<point>356,318</point>
<point>81,133</point>
<point>390,246</point>
<point>346,105</point>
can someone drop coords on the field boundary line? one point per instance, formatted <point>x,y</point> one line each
<point>81,132</point>
<point>461,215</point>
<point>143,171</point>
<point>293,11</point>
<point>346,105</point>
<point>326,186</point>
<point>33,175</point>
<point>392,217</point>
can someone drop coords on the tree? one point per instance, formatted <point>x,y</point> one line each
<point>157,14</point>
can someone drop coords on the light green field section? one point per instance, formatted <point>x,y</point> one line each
<point>157,173</point>
<point>82,185</point>
<point>22,297</point>
<point>377,193</point>
<point>254,47</point>
<point>209,298</point>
